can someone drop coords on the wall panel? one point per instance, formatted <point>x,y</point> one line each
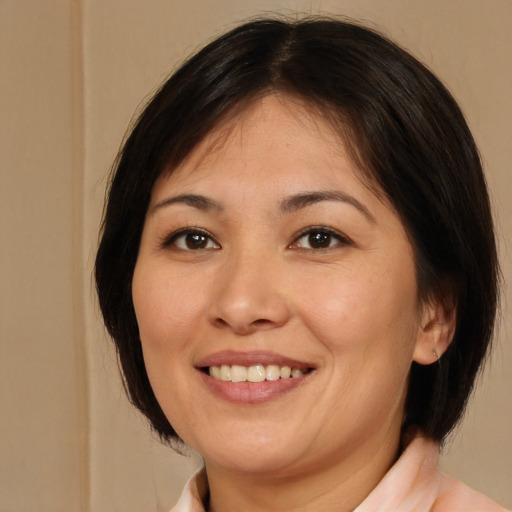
<point>42,367</point>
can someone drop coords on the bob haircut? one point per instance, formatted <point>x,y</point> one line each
<point>405,133</point>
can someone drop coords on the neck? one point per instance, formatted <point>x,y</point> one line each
<point>339,486</point>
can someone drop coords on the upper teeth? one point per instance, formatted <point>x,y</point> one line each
<point>256,373</point>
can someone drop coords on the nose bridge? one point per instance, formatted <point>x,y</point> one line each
<point>250,294</point>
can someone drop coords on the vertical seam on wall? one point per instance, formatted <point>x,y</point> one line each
<point>78,138</point>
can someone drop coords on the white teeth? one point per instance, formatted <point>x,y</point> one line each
<point>225,372</point>
<point>238,373</point>
<point>285,372</point>
<point>215,372</point>
<point>255,373</point>
<point>273,372</point>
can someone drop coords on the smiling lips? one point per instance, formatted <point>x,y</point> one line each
<point>251,377</point>
<point>254,373</point>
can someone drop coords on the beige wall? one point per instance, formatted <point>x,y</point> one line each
<point>43,408</point>
<point>71,75</point>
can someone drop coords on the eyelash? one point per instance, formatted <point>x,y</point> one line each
<point>169,241</point>
<point>321,230</point>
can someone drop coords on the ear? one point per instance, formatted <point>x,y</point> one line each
<point>436,330</point>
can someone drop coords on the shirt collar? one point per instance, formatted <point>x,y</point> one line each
<point>411,483</point>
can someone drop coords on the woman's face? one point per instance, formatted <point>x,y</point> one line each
<point>264,253</point>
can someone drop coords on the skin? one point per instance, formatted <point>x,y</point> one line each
<point>348,310</point>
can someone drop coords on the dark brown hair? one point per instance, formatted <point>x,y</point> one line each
<point>408,137</point>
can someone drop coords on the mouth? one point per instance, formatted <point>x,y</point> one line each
<point>254,373</point>
<point>252,377</point>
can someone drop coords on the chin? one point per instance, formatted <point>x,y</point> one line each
<point>251,461</point>
<point>252,452</point>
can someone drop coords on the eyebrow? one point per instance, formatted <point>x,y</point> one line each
<point>289,205</point>
<point>297,202</point>
<point>194,200</point>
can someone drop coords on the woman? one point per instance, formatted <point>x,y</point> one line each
<point>299,271</point>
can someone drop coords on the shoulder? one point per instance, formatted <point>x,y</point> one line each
<point>194,495</point>
<point>415,483</point>
<point>454,496</point>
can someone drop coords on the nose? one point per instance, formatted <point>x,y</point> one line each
<point>250,296</point>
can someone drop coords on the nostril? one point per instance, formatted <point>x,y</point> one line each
<point>219,322</point>
<point>243,327</point>
<point>261,321</point>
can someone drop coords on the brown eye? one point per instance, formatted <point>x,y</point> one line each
<point>191,241</point>
<point>196,241</point>
<point>320,238</point>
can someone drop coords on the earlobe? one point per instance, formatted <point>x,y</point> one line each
<point>435,332</point>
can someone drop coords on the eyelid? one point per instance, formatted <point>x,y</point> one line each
<point>168,240</point>
<point>344,239</point>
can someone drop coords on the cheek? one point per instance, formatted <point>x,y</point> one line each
<point>167,316</point>
<point>166,311</point>
<point>355,312</point>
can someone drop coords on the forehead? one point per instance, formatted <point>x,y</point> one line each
<point>273,138</point>
<point>273,123</point>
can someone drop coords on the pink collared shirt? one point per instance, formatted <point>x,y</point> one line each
<point>413,484</point>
